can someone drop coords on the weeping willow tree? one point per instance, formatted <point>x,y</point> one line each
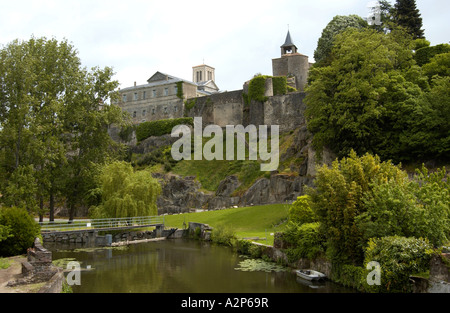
<point>127,193</point>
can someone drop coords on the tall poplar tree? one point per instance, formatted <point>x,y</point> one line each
<point>407,15</point>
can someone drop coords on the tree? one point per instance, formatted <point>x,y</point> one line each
<point>406,14</point>
<point>87,119</point>
<point>337,26</point>
<point>37,76</point>
<point>126,193</point>
<point>54,119</point>
<point>337,201</point>
<point>365,98</point>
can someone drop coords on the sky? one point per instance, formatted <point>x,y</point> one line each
<point>239,38</point>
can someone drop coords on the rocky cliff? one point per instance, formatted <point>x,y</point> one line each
<point>298,169</point>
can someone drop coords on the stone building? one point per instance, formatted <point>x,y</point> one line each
<point>161,98</point>
<point>292,64</point>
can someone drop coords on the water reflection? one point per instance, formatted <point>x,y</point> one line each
<point>177,266</point>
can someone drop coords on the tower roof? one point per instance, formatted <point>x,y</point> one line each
<point>288,42</point>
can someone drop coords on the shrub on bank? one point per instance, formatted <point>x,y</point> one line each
<point>22,231</point>
<point>223,236</point>
<point>399,258</point>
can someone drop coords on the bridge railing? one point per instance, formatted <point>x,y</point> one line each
<point>126,222</point>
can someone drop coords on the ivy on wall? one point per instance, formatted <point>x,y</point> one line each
<point>279,85</point>
<point>257,88</point>
<point>180,93</point>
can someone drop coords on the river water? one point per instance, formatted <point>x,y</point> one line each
<point>178,266</point>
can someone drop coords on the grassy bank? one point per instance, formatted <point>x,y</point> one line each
<point>256,221</point>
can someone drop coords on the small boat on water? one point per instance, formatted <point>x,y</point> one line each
<point>310,275</point>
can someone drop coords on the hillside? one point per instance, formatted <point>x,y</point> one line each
<point>217,184</point>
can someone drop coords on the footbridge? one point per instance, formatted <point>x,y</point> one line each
<point>86,231</point>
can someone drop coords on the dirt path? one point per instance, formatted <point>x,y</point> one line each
<point>13,272</point>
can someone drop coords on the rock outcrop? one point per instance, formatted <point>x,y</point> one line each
<point>180,195</point>
<point>278,189</point>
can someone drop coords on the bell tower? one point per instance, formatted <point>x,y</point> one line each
<point>292,64</point>
<point>203,73</point>
<point>289,47</point>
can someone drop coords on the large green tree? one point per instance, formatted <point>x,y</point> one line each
<point>337,26</point>
<point>51,109</point>
<point>367,98</point>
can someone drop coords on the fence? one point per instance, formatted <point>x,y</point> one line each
<point>105,223</point>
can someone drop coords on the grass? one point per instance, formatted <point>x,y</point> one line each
<point>4,263</point>
<point>256,221</point>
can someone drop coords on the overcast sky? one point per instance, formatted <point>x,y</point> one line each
<point>239,38</point>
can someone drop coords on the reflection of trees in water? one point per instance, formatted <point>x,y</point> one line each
<point>176,267</point>
<point>117,270</point>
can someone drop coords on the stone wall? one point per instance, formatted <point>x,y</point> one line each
<point>219,109</point>
<point>38,268</point>
<point>71,237</point>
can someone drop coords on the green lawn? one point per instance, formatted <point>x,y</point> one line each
<point>256,221</point>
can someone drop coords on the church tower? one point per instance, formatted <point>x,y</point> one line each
<point>204,76</point>
<point>292,64</point>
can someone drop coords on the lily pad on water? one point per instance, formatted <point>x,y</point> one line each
<point>258,265</point>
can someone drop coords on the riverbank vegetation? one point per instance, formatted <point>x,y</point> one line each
<point>365,210</point>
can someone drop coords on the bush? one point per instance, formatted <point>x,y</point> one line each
<point>350,276</point>
<point>160,128</point>
<point>223,236</point>
<point>399,258</point>
<point>408,207</point>
<point>301,212</point>
<point>243,246</point>
<point>306,241</point>
<point>22,229</point>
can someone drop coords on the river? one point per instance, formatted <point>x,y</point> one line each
<point>179,266</point>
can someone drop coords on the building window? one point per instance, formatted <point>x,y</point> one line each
<point>144,95</point>
<point>135,96</point>
<point>175,109</point>
<point>134,114</point>
<point>166,91</point>
<point>199,76</point>
<point>165,110</point>
<point>144,112</point>
<point>154,93</point>
<point>153,111</point>
<point>209,75</point>
<point>124,98</point>
<point>175,89</point>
